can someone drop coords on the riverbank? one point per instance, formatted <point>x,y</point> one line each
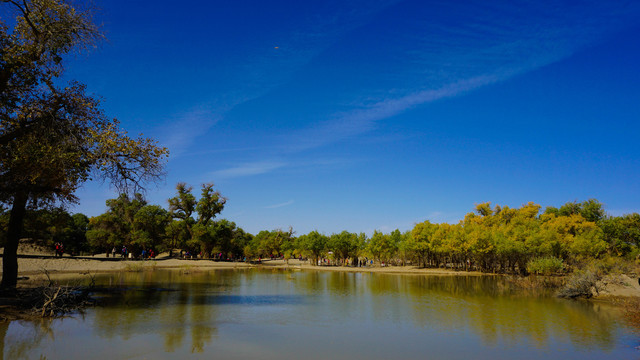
<point>37,265</point>
<point>36,269</point>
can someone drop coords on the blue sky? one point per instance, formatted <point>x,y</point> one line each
<point>362,115</point>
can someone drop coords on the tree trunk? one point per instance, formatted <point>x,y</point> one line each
<point>14,231</point>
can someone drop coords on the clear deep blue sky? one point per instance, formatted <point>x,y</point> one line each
<point>362,115</point>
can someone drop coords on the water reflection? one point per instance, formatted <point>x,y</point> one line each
<point>18,337</point>
<point>488,306</point>
<point>248,312</point>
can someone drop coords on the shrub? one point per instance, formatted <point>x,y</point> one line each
<point>609,265</point>
<point>545,266</point>
<point>580,284</point>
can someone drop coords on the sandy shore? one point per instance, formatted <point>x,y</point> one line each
<point>38,266</point>
<point>36,269</point>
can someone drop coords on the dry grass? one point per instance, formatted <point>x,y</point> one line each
<point>632,311</point>
<point>534,282</point>
<point>140,266</point>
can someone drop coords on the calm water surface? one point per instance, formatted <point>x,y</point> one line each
<point>282,314</point>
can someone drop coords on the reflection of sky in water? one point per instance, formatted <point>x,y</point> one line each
<point>315,315</point>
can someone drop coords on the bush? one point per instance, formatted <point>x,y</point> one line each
<point>545,266</point>
<point>609,265</point>
<point>580,284</point>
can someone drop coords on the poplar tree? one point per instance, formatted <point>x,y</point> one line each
<point>54,136</point>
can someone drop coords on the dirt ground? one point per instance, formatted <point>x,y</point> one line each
<point>43,264</point>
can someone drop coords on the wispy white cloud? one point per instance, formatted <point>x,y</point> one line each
<point>483,45</point>
<point>185,128</point>
<point>360,120</point>
<point>248,169</point>
<point>267,70</point>
<point>267,166</point>
<point>275,206</point>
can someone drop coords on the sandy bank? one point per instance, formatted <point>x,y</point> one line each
<point>37,269</point>
<point>36,266</point>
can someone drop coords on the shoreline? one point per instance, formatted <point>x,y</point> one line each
<point>36,268</point>
<point>41,265</point>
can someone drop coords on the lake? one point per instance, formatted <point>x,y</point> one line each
<point>288,314</point>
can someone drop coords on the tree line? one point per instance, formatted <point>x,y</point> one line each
<point>489,239</point>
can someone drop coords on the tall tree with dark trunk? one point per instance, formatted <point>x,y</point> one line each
<point>52,137</point>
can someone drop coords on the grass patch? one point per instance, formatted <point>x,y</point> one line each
<point>140,266</point>
<point>545,266</point>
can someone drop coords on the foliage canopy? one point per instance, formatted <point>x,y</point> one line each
<point>53,136</point>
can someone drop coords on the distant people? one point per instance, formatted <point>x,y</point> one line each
<point>113,252</point>
<point>59,249</point>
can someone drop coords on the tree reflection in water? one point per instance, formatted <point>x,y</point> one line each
<point>487,305</point>
<point>252,310</point>
<point>18,337</point>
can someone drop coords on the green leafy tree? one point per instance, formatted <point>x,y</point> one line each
<point>210,204</point>
<point>621,233</point>
<point>592,210</point>
<point>55,225</point>
<point>259,244</point>
<point>313,244</point>
<point>344,245</point>
<point>569,236</point>
<point>224,231</point>
<point>115,228</point>
<point>53,136</point>
<point>273,243</point>
<point>287,244</point>
<point>104,233</point>
<point>177,235</point>
<point>419,244</point>
<point>203,239</point>
<point>382,246</point>
<point>239,241</point>
<point>149,226</point>
<point>76,236</point>
<point>182,207</point>
<point>201,233</point>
